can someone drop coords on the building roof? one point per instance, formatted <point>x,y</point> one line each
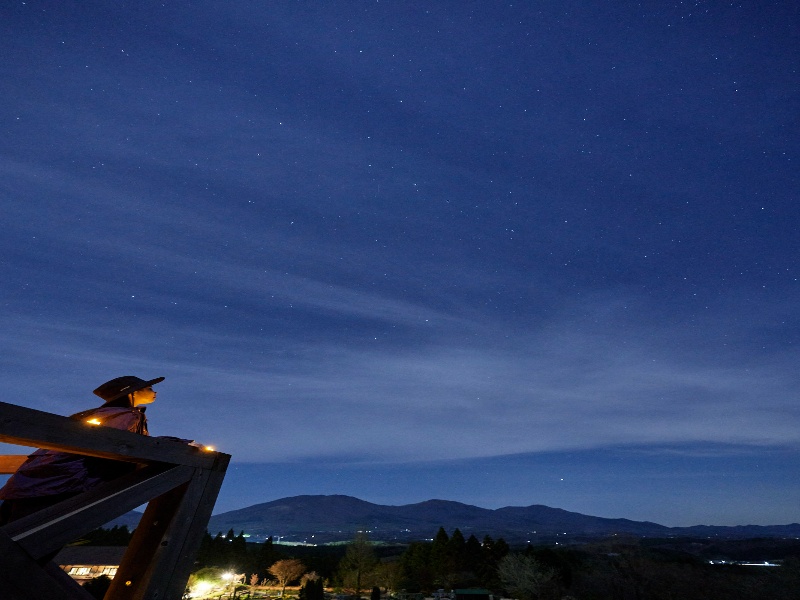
<point>90,555</point>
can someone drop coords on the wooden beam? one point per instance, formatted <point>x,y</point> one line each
<point>48,530</point>
<point>135,571</point>
<point>169,534</point>
<point>29,427</point>
<point>9,463</point>
<point>22,578</point>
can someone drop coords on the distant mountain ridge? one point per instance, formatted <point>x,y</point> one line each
<point>320,519</point>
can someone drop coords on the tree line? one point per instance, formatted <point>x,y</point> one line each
<point>447,561</point>
<point>615,569</point>
<point>600,570</point>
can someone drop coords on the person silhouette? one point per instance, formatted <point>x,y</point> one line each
<point>50,476</point>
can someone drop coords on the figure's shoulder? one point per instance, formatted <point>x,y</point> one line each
<point>110,411</point>
<point>105,411</point>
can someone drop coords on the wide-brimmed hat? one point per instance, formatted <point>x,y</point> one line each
<point>122,386</point>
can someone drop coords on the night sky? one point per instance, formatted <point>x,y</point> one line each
<point>540,252</point>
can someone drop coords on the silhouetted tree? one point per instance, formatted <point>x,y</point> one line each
<point>116,536</point>
<point>457,548</point>
<point>415,564</point>
<point>264,558</point>
<point>388,574</point>
<point>312,589</point>
<point>286,571</point>
<point>253,581</point>
<point>555,560</point>
<point>493,552</point>
<point>213,552</point>
<point>238,546</point>
<point>473,555</point>
<point>358,563</point>
<point>204,552</point>
<point>524,576</point>
<point>442,558</point>
<point>98,586</point>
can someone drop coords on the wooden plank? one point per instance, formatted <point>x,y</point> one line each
<point>50,529</point>
<point>135,571</point>
<point>29,427</point>
<point>22,578</point>
<point>9,463</point>
<point>174,549</point>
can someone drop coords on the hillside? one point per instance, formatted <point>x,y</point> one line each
<point>319,519</point>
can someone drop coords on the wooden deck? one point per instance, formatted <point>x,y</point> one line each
<point>178,482</point>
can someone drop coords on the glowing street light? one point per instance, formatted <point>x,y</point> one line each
<point>232,579</point>
<point>201,588</point>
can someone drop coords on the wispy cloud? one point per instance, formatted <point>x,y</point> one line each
<point>552,389</point>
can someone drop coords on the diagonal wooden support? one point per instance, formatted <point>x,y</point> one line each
<point>134,574</point>
<point>50,529</point>
<point>22,578</point>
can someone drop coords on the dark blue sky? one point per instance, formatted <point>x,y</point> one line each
<point>500,253</point>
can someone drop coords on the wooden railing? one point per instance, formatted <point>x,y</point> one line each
<point>178,482</point>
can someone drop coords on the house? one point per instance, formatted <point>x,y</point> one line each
<point>83,563</point>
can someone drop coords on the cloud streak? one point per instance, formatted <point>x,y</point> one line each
<point>556,389</point>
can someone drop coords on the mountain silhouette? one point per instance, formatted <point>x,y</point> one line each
<point>319,519</point>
